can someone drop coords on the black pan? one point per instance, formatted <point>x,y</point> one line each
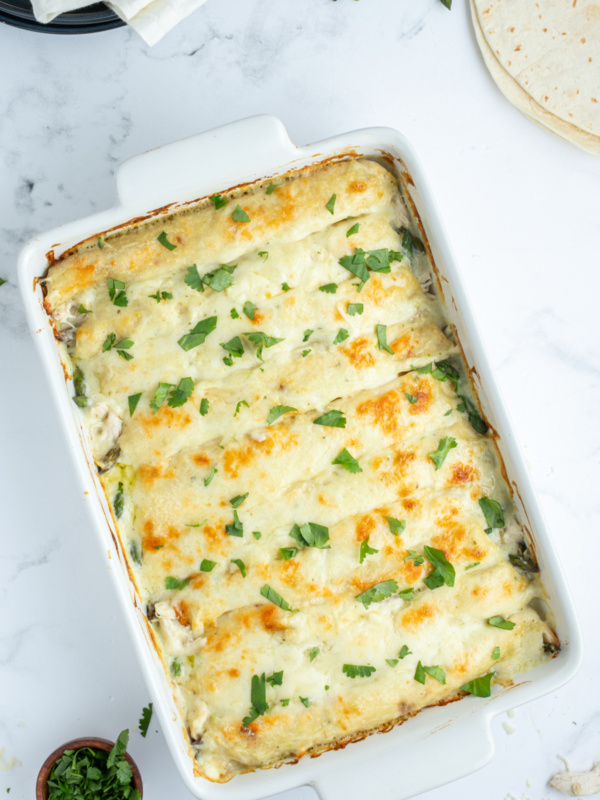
<point>90,19</point>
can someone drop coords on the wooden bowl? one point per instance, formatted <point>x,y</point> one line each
<point>41,786</point>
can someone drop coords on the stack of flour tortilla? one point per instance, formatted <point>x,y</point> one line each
<point>545,58</point>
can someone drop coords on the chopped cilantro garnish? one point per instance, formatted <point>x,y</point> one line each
<point>500,622</point>
<point>310,535</point>
<point>382,339</point>
<point>496,653</point>
<point>237,501</point>
<point>344,459</point>
<point>271,187</point>
<point>330,205</point>
<point>198,333</point>
<point>239,215</point>
<point>262,340</point>
<point>240,565</point>
<point>278,411</point>
<point>404,651</point>
<point>396,525</point>
<point>341,335</point>
<point>235,528</point>
<point>175,583</point>
<point>355,308</point>
<point>288,552</point>
<point>352,230</point>
<point>331,419</point>
<point>411,398</point>
<point>314,653</point>
<point>307,334</point>
<point>443,571</point>
<point>116,292</point>
<point>239,405</point>
<point>234,347</point>
<point>160,395</point>
<point>193,279</point>
<point>100,242</point>
<point>234,314</point>
<point>366,550</point>
<point>162,238</point>
<point>438,456</point>
<point>218,201</point>
<point>207,565</point>
<point>415,558</point>
<point>133,400</point>
<point>257,535</point>
<point>219,279</point>
<point>358,671</point>
<point>145,719</point>
<point>377,593</point>
<point>182,393</point>
<point>286,287</point>
<point>492,511</point>
<point>204,406</point>
<point>480,687</point>
<point>249,309</point>
<point>258,699</point>
<point>213,472</point>
<point>271,595</point>
<point>328,288</point>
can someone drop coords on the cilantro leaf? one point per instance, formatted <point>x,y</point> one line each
<point>234,314</point>
<point>81,310</point>
<point>409,241</point>
<point>496,653</point>
<point>404,651</point>
<point>239,405</point>
<point>377,593</point>
<point>133,400</point>
<point>314,653</point>
<point>219,279</point>
<point>182,393</point>
<point>213,472</point>
<point>366,550</point>
<point>262,340</point>
<point>437,673</point>
<point>240,565</point>
<point>356,265</point>
<point>330,205</point>
<point>204,406</point>
<point>278,411</point>
<point>288,552</point>
<point>396,525</point>
<point>175,583</point>
<point>235,528</point>
<point>271,595</point>
<point>264,254</point>
<point>438,456</point>
<point>234,347</point>
<point>116,292</point>
<point>500,622</point>
<point>382,339</point>
<point>307,334</point>
<point>411,398</point>
<point>443,571</point>
<point>271,187</point>
<point>352,230</point>
<point>237,501</point>
<point>310,535</point>
<point>193,279</point>
<point>207,566</point>
<point>276,679</point>
<point>415,558</point>
<point>328,288</point>
<point>420,674</point>
<point>358,671</point>
<point>258,699</point>
<point>100,243</point>
<point>492,511</point>
<point>480,687</point>
<point>331,419</point>
<point>218,201</point>
<point>249,309</point>
<point>162,238</point>
<point>391,661</point>
<point>239,215</point>
<point>198,333</point>
<point>341,335</point>
<point>145,719</point>
<point>345,460</point>
<point>305,353</point>
<point>257,535</point>
<point>407,594</point>
<point>305,701</point>
<point>355,308</point>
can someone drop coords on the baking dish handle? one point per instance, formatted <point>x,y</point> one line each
<point>452,753</point>
<point>205,163</point>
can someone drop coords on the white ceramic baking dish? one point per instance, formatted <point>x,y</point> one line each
<point>397,764</point>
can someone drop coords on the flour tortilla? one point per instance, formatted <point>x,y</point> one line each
<point>551,72</point>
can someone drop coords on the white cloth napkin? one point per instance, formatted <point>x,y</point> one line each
<point>152,19</point>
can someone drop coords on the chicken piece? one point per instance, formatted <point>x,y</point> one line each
<point>578,784</point>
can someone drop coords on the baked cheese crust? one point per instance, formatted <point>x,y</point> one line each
<point>313,510</point>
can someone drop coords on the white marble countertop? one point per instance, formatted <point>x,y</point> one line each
<point>521,209</point>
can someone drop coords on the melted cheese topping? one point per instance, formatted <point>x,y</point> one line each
<point>207,502</point>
